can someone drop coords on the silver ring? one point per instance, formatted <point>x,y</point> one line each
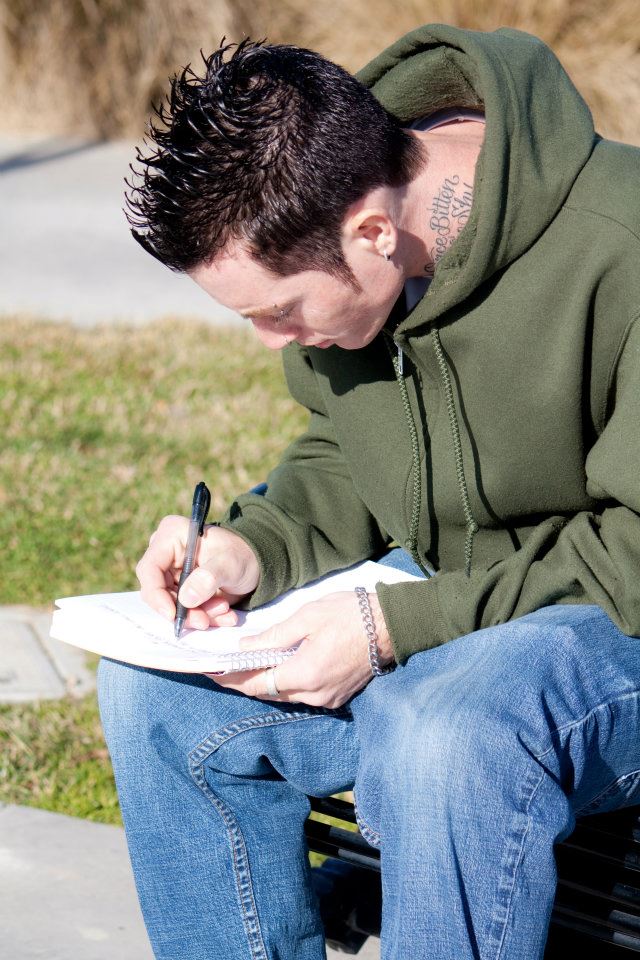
<point>270,682</point>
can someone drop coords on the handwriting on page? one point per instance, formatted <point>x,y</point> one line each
<point>167,639</point>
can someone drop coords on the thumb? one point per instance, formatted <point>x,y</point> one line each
<point>223,573</point>
<point>200,585</point>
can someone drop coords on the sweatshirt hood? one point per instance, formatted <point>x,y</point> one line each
<point>538,136</point>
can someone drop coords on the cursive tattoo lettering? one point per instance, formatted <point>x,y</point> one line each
<point>450,211</point>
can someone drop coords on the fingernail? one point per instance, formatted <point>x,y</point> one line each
<point>226,619</point>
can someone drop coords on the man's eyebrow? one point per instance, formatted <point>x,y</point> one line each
<point>264,311</point>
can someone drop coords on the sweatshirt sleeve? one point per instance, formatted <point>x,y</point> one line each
<point>311,520</point>
<point>589,558</point>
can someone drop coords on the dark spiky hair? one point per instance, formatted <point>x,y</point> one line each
<point>269,147</point>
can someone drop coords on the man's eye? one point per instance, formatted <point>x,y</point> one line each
<point>280,316</point>
<point>274,319</point>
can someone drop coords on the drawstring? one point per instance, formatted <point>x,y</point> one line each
<point>472,526</point>
<point>415,454</point>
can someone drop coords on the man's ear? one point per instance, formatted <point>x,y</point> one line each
<point>370,230</point>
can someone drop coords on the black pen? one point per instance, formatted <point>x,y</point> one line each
<point>199,511</point>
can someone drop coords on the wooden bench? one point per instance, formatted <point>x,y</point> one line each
<point>597,904</point>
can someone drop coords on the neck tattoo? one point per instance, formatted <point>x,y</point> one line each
<point>450,209</point>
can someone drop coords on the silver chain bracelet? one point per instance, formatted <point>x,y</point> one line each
<point>372,634</point>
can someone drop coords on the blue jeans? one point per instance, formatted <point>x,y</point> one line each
<point>469,762</point>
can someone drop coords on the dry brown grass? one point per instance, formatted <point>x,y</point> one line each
<point>94,66</point>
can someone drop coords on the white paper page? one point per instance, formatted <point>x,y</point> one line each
<point>123,627</point>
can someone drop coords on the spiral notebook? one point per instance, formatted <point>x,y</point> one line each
<point>121,626</point>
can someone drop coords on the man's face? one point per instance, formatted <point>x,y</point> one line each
<point>312,307</point>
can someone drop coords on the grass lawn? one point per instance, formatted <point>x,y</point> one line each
<point>104,432</point>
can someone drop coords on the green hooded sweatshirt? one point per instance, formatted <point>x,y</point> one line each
<point>505,451</point>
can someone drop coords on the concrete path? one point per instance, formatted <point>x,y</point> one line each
<point>66,892</point>
<point>66,889</point>
<point>65,248</point>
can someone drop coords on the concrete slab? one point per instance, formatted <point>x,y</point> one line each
<point>65,248</point>
<point>69,662</point>
<point>26,673</point>
<point>32,665</point>
<point>66,891</point>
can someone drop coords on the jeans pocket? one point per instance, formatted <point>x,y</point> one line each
<point>623,792</point>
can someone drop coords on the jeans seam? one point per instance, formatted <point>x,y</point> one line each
<point>512,867</point>
<point>240,865</point>
<point>211,743</point>
<point>197,757</point>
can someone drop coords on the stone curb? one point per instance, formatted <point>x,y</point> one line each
<point>33,666</point>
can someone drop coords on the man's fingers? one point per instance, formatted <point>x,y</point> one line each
<point>213,613</point>
<point>160,600</point>
<point>155,569</point>
<point>293,685</point>
<point>219,612</point>
<point>255,683</point>
<point>227,569</point>
<point>289,633</point>
<point>197,620</point>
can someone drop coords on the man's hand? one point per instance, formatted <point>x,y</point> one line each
<point>332,662</point>
<point>227,571</point>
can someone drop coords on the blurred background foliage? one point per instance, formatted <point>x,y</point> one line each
<point>94,67</point>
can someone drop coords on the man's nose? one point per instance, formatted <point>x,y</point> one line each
<point>274,339</point>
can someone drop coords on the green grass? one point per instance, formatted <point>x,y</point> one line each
<point>104,432</point>
<point>53,756</point>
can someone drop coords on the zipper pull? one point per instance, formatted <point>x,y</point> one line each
<point>400,360</point>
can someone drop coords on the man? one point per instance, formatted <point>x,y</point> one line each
<point>449,257</point>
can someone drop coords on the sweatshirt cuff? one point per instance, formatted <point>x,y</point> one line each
<point>277,573</point>
<point>413,616</point>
